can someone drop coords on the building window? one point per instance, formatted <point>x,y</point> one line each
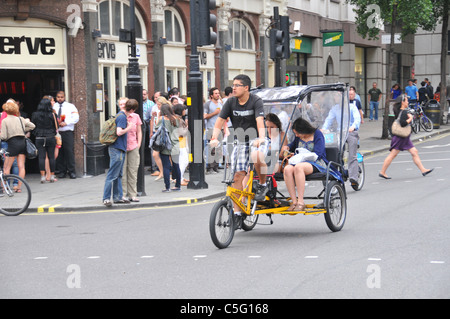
<point>114,15</point>
<point>172,26</point>
<point>360,75</point>
<point>240,35</point>
<point>174,78</point>
<point>329,69</point>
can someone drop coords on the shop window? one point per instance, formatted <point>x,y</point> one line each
<point>172,26</point>
<point>174,78</point>
<point>240,35</point>
<point>114,15</point>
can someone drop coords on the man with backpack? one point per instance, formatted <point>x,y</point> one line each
<point>117,151</point>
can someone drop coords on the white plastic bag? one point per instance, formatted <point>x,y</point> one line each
<point>303,155</point>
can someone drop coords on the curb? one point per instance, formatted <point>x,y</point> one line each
<point>60,209</point>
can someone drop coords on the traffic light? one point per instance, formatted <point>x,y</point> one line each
<point>285,23</point>
<point>206,20</point>
<point>276,44</point>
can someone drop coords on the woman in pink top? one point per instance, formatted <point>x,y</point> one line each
<point>132,159</point>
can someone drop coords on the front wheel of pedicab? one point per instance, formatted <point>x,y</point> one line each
<point>221,224</point>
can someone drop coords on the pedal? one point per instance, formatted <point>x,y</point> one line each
<point>270,217</point>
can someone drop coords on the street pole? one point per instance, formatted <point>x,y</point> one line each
<point>195,108</point>
<point>134,87</point>
<point>276,17</point>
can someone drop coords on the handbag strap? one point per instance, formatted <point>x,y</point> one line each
<point>56,123</point>
<point>24,133</point>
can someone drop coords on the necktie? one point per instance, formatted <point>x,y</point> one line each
<point>60,110</point>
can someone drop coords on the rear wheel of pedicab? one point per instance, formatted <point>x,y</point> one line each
<point>249,222</point>
<point>361,177</point>
<point>336,206</point>
<point>221,224</point>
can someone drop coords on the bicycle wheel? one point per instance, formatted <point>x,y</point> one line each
<point>336,206</point>
<point>415,125</point>
<point>11,202</point>
<point>426,123</point>
<point>221,224</point>
<point>361,177</point>
<point>249,222</point>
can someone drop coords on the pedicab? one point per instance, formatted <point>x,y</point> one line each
<point>314,103</point>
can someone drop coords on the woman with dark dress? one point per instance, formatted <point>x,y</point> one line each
<point>45,131</point>
<point>399,144</point>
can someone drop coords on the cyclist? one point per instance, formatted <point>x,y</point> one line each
<point>246,112</point>
<point>412,92</point>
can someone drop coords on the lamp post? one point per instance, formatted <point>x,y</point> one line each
<point>134,88</point>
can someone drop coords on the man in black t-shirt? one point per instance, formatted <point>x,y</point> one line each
<point>246,112</point>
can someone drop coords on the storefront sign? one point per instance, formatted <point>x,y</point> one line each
<point>301,45</point>
<point>31,46</point>
<point>118,52</point>
<point>333,39</point>
<point>106,50</point>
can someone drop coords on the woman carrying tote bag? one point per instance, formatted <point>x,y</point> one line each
<point>399,143</point>
<point>13,131</point>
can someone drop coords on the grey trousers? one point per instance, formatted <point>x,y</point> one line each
<point>352,141</point>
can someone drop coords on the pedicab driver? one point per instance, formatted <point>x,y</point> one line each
<point>246,112</point>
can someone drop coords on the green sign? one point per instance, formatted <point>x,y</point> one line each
<point>301,45</point>
<point>333,39</point>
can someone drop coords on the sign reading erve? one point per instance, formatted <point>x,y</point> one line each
<point>13,45</point>
<point>20,46</point>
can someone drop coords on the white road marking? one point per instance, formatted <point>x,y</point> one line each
<point>40,258</point>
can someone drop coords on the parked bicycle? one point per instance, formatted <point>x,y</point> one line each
<point>420,120</point>
<point>12,202</point>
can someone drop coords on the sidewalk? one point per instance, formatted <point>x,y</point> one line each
<point>85,194</point>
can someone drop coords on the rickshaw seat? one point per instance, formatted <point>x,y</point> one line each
<point>332,155</point>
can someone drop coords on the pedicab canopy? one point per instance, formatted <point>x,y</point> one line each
<point>325,106</point>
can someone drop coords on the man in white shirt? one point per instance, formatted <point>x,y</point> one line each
<point>211,111</point>
<point>67,118</point>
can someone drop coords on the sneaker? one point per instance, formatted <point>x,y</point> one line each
<point>238,218</point>
<point>261,192</point>
<point>107,203</point>
<point>354,182</point>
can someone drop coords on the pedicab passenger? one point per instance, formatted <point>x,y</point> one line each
<point>276,136</point>
<point>311,138</point>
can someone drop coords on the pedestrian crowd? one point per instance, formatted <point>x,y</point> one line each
<point>52,125</point>
<point>161,111</point>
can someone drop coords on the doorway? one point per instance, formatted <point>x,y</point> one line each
<point>28,87</point>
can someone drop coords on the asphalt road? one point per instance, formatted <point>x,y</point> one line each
<point>395,244</point>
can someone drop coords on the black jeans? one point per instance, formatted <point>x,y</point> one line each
<point>46,146</point>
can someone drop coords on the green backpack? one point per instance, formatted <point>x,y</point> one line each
<point>108,134</point>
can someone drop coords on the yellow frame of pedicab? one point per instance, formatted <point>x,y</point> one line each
<point>237,195</point>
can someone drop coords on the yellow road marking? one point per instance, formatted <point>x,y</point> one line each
<point>120,210</point>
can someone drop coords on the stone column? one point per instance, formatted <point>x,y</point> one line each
<point>157,11</point>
